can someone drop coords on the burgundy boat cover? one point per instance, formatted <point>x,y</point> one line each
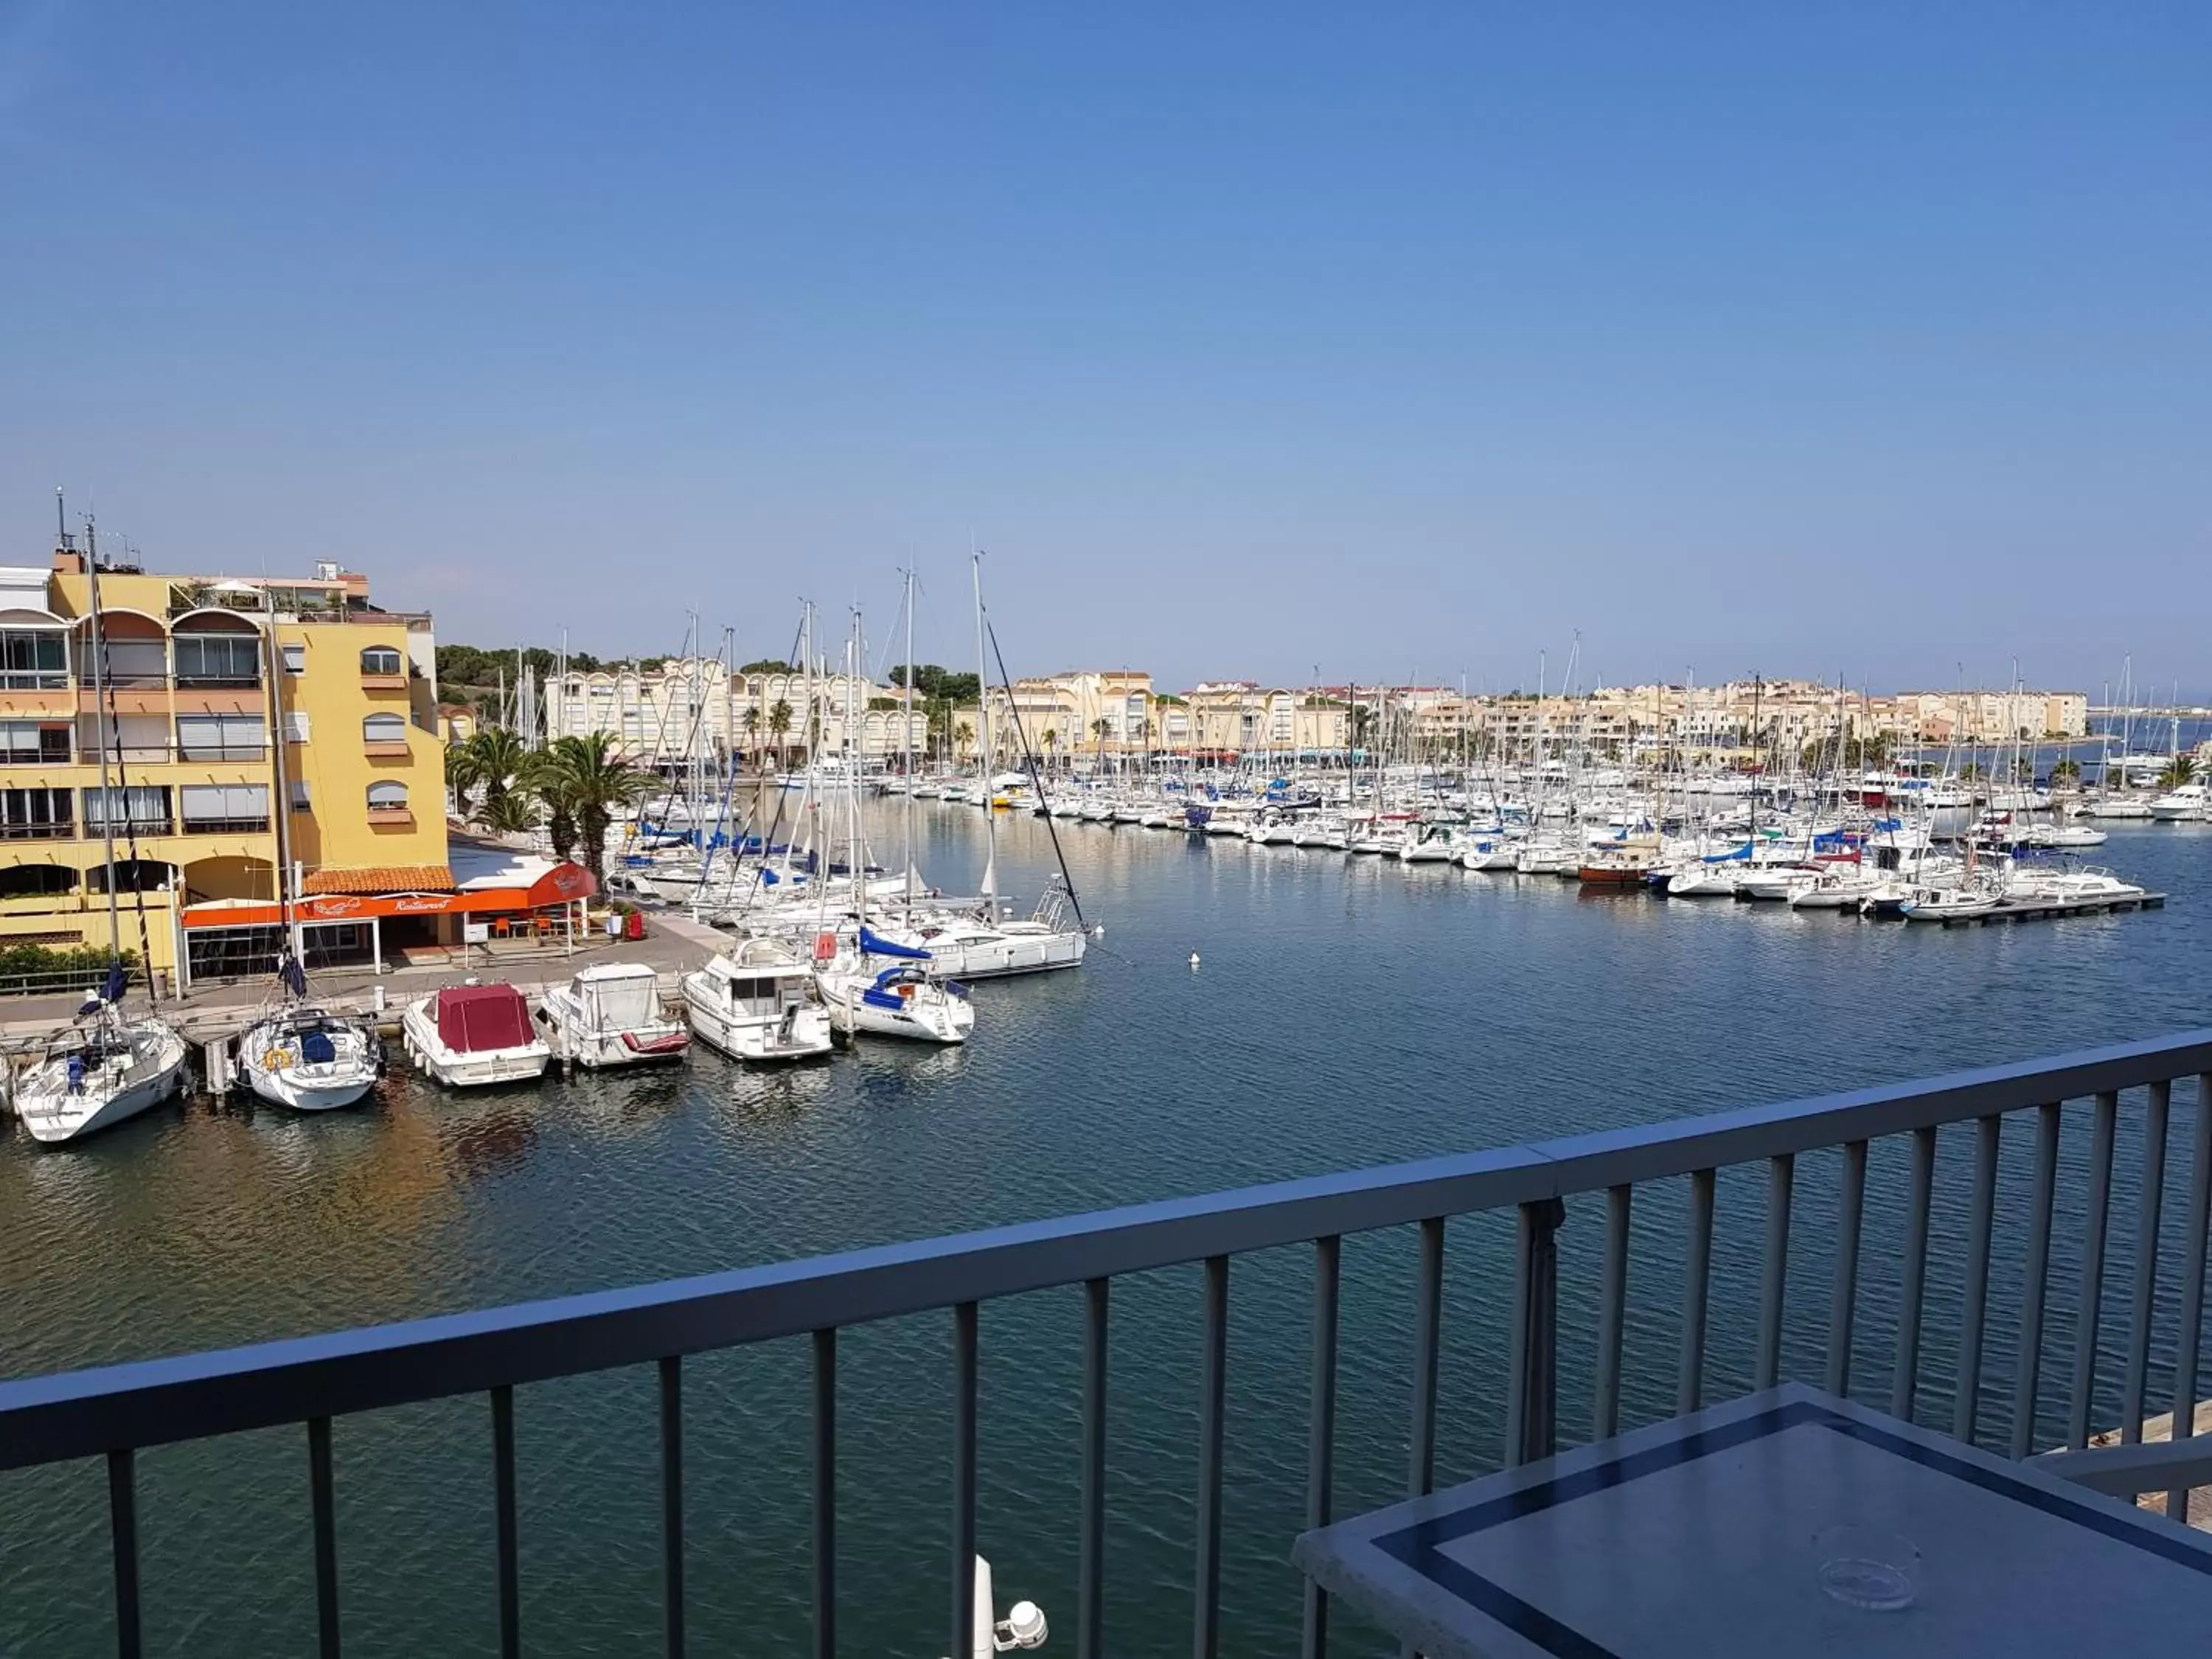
<point>474,1018</point>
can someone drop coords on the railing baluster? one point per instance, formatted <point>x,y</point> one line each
<point>1428,1325</point>
<point>503,1478</point>
<point>1696,1273</point>
<point>963,1480</point>
<point>671,1500</point>
<point>1532,1393</point>
<point>2146,1215</point>
<point>2093,1271</point>
<point>2034,1274</point>
<point>1090,1584</point>
<point>1205,1635</point>
<point>2192,1285</point>
<point>1966,1406</point>
<point>123,1532</point>
<point>1781,1174</point>
<point>322,1495</point>
<point>1321,1444</point>
<point>1844,1294</point>
<point>825,1492</point>
<point>1904,1383</point>
<point>1612,1308</point>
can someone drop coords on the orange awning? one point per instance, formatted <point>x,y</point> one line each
<point>564,884</point>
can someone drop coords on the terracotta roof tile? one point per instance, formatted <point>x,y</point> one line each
<point>382,878</point>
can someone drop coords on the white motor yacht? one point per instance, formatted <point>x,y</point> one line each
<point>757,1002</point>
<point>1948,904</point>
<point>2191,804</point>
<point>106,1069</point>
<point>467,1036</point>
<point>610,1014</point>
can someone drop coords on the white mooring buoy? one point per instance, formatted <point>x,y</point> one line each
<point>1194,962</point>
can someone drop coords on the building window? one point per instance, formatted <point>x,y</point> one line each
<point>141,807</point>
<point>379,660</point>
<point>221,737</point>
<point>26,743</point>
<point>224,659</point>
<point>300,802</point>
<point>33,659</point>
<point>225,808</point>
<point>387,796</point>
<point>295,659</point>
<point>36,815</point>
<point>384,728</point>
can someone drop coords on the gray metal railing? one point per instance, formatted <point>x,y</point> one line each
<point>116,1410</point>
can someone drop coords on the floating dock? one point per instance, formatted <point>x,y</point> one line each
<point>2049,909</point>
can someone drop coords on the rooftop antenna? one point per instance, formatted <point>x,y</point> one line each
<point>61,522</point>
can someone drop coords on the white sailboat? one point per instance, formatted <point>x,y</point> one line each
<point>306,1057</point>
<point>104,1070</point>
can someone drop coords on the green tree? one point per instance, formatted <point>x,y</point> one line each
<point>496,756</point>
<point>2068,769</point>
<point>964,740</point>
<point>589,778</point>
<point>513,813</point>
<point>779,726</point>
<point>2181,769</point>
<point>1050,742</point>
<point>753,730</point>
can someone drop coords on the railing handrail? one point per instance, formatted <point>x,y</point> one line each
<point>50,1419</point>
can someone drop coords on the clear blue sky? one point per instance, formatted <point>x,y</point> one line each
<point>1869,340</point>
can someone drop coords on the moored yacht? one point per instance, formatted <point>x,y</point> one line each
<point>467,1036</point>
<point>105,1069</point>
<point>757,1002</point>
<point>610,1014</point>
<point>307,1057</point>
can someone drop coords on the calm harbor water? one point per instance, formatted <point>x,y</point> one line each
<point>1346,1013</point>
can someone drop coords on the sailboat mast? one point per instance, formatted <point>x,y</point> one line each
<point>102,720</point>
<point>855,656</point>
<point>906,737</point>
<point>280,807</point>
<point>983,721</point>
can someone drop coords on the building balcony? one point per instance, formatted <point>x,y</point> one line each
<point>383,682</point>
<point>391,818</point>
<point>385,748</point>
<point>226,826</point>
<point>1793,1244</point>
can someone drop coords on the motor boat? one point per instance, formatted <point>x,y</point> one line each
<point>610,1014</point>
<point>1487,855</point>
<point>106,1069</point>
<point>467,1036</point>
<point>1431,845</point>
<point>757,1002</point>
<point>2191,804</point>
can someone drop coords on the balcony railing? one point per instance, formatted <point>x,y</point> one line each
<point>1675,1168</point>
<point>218,682</point>
<point>62,831</point>
<point>226,826</point>
<point>33,679</point>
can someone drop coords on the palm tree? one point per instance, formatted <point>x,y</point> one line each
<point>779,727</point>
<point>964,740</point>
<point>462,775</point>
<point>2068,769</point>
<point>496,756</point>
<point>1099,728</point>
<point>753,730</point>
<point>512,813</point>
<point>586,779</point>
<point>2181,769</point>
<point>1051,741</point>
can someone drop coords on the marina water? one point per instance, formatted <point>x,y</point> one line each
<point>1345,1013</point>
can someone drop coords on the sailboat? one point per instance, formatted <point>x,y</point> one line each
<point>305,1056</point>
<point>105,1069</point>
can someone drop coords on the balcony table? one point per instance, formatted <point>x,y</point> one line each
<point>1694,1540</point>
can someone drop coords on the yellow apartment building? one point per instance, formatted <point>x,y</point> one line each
<point>220,727</point>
